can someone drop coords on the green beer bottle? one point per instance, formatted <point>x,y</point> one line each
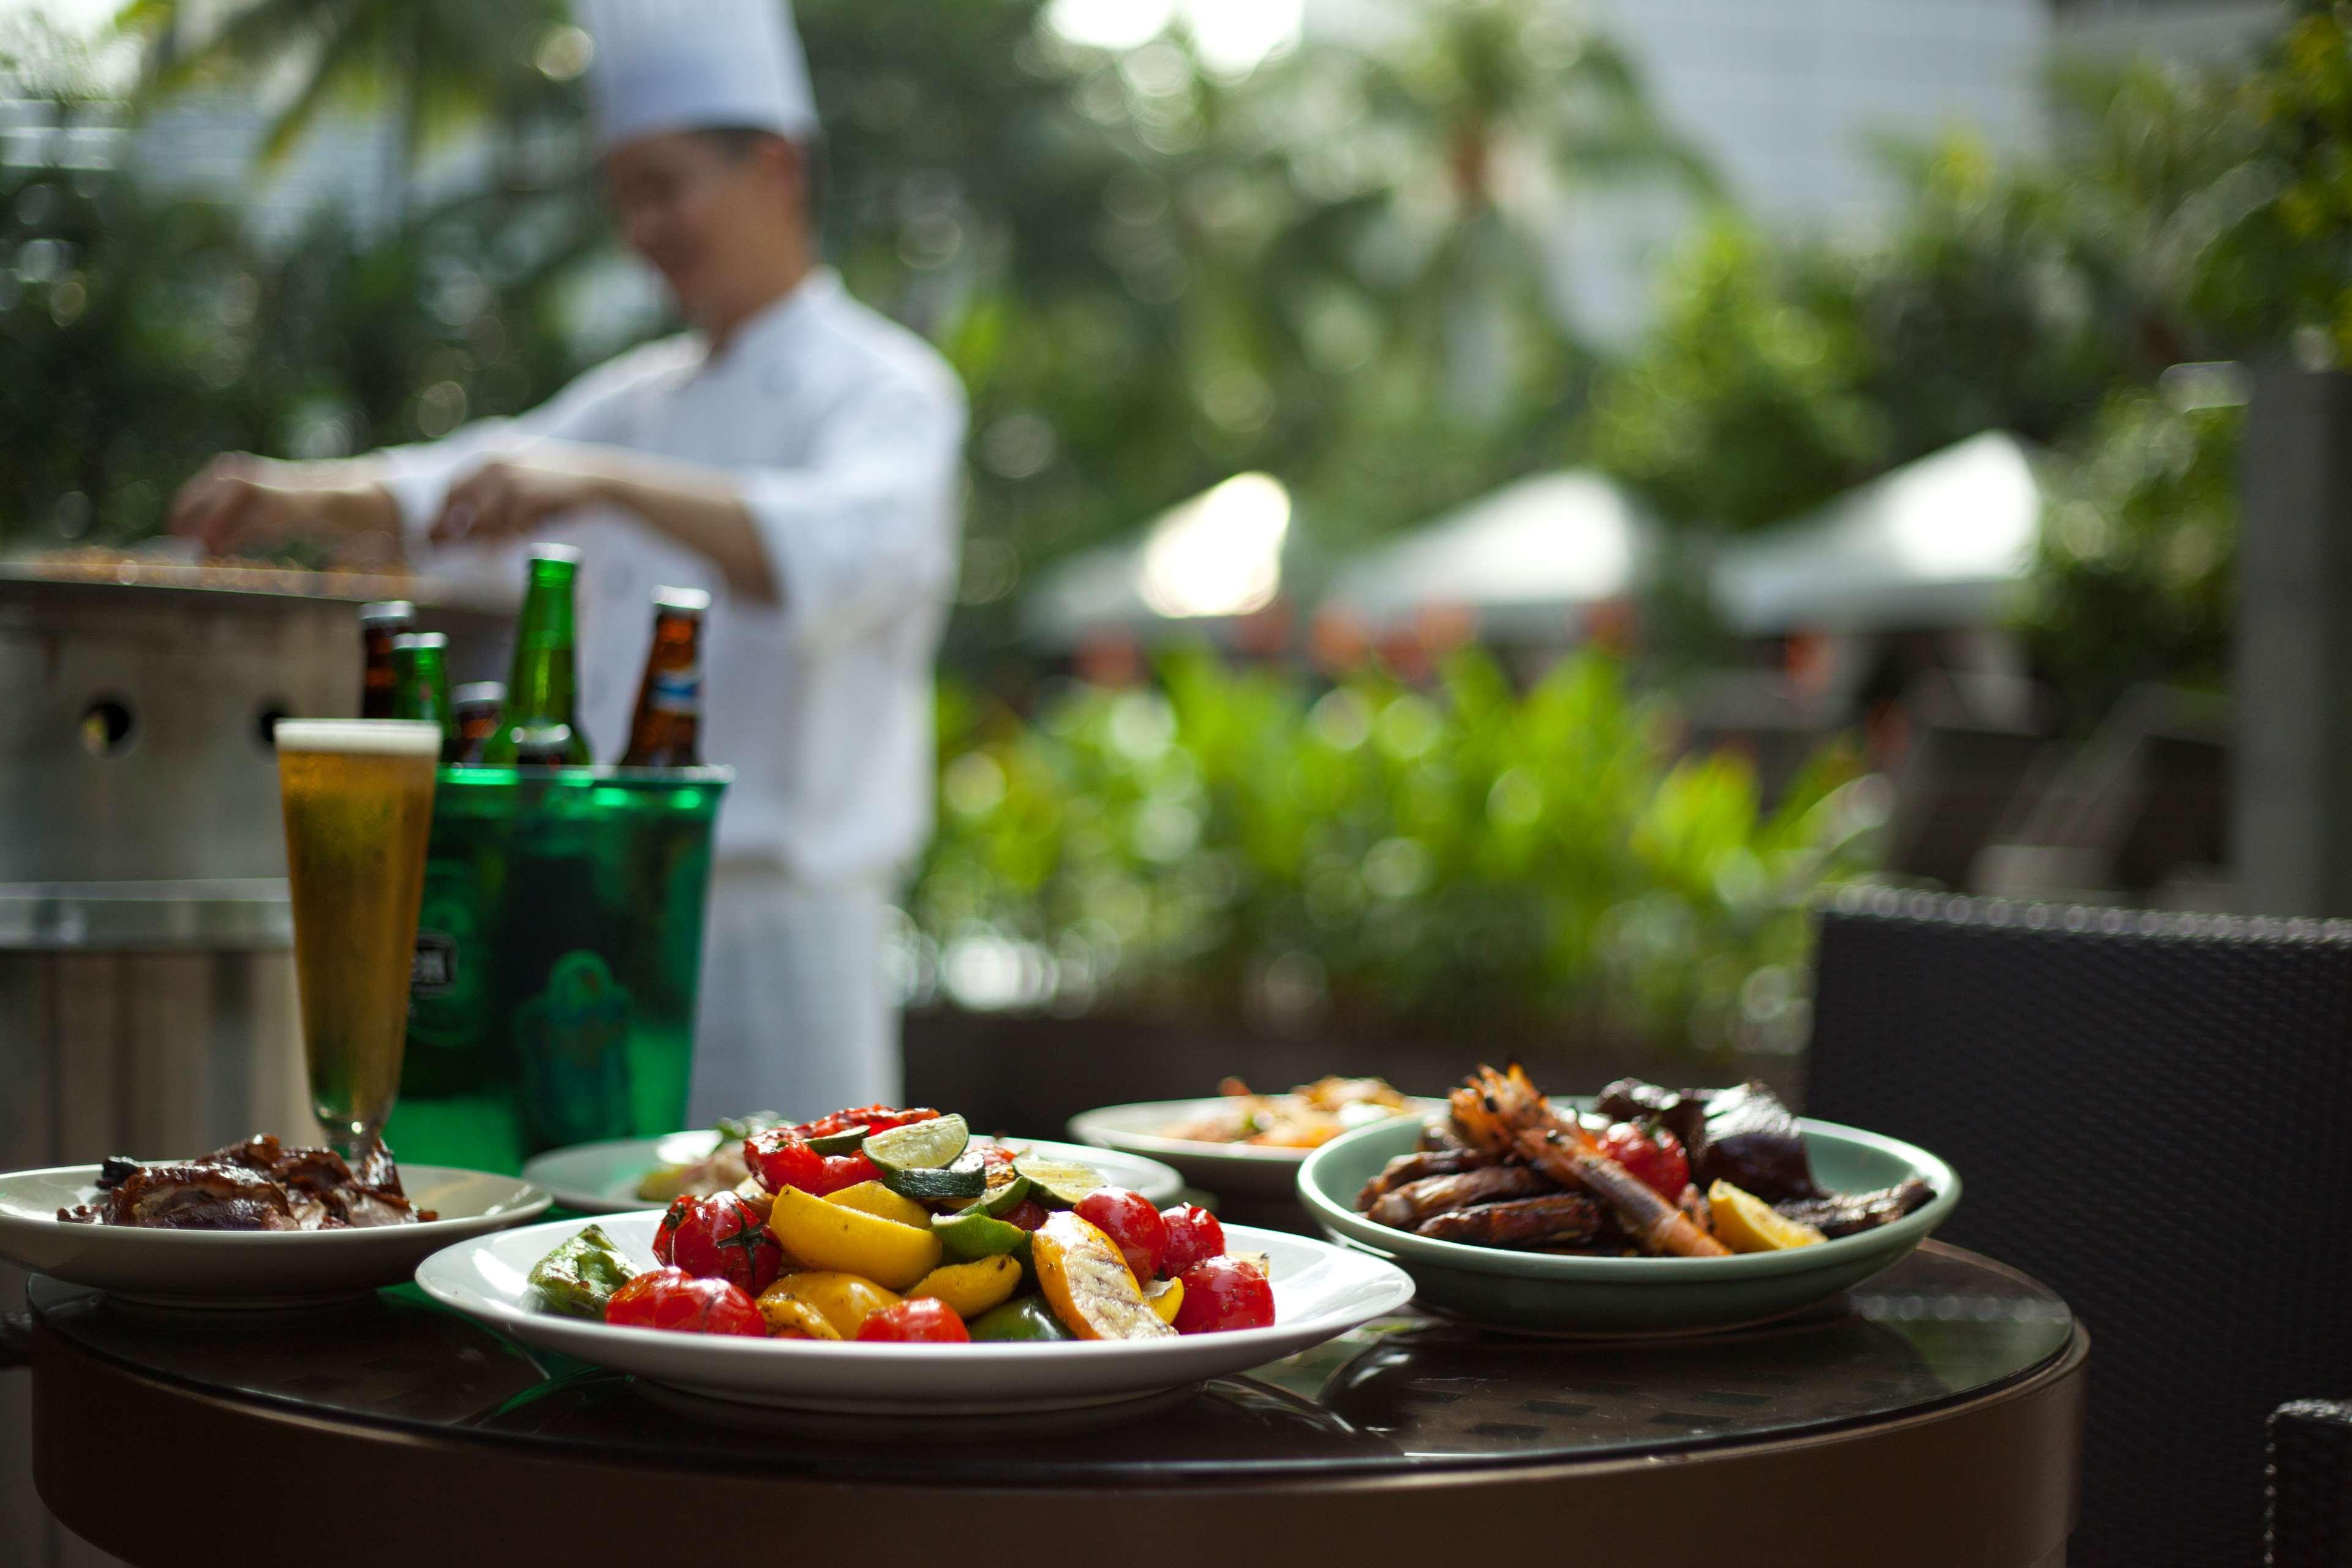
<point>540,688</point>
<point>420,663</point>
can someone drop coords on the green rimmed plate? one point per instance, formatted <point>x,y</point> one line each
<point>1532,1292</point>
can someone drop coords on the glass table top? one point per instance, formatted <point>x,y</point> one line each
<point>1940,1327</point>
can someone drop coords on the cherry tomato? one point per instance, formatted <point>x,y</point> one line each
<point>922,1321</point>
<point>996,1154</point>
<point>780,1158</point>
<point>674,1300</point>
<point>724,1239</point>
<point>873,1118</point>
<point>1193,1234</point>
<point>1651,1155</point>
<point>1223,1293</point>
<point>1133,1225</point>
<point>1028,1214</point>
<point>665,1233</point>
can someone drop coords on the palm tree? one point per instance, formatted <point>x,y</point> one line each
<point>1518,106</point>
<point>434,64</point>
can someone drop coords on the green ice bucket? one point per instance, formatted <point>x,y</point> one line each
<point>557,955</point>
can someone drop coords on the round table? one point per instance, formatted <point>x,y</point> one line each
<point>1932,1417</point>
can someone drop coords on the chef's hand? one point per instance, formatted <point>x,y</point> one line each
<point>238,502</point>
<point>516,495</point>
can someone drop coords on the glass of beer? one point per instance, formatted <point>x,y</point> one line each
<point>358,800</point>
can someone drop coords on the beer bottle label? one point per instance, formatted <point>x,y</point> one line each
<point>677,691</point>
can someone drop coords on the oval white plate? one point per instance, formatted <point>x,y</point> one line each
<point>1228,1169</point>
<point>602,1178</point>
<point>248,1267</point>
<point>1319,1290</point>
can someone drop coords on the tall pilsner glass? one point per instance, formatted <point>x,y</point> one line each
<point>358,801</point>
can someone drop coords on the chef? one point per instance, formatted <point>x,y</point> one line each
<point>795,453</point>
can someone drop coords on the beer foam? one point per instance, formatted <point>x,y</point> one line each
<point>381,737</point>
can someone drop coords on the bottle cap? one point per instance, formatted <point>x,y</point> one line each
<point>389,612</point>
<point>420,639</point>
<point>681,600</point>
<point>490,692</point>
<point>563,552</point>
<point>543,745</point>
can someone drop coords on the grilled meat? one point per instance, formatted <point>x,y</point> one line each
<point>1438,1135</point>
<point>1414,1166</point>
<point>1407,1205</point>
<point>256,1184</point>
<point>1559,1220</point>
<point>1844,1214</point>
<point>195,1196</point>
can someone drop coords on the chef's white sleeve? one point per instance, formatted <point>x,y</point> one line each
<point>591,409</point>
<point>866,531</point>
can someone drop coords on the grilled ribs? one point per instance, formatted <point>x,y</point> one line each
<point>1404,1207</point>
<point>1560,1220</point>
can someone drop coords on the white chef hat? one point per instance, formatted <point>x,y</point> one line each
<point>664,66</point>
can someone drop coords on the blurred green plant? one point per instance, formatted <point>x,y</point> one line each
<point>139,334</point>
<point>2134,577</point>
<point>1466,860</point>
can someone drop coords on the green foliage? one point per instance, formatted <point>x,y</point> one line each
<point>2280,273</point>
<point>141,335</point>
<point>1746,402</point>
<point>1467,860</point>
<point>2135,578</point>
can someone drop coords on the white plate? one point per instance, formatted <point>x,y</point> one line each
<point>1320,1291</point>
<point>602,1178</point>
<point>248,1267</point>
<point>1228,1169</point>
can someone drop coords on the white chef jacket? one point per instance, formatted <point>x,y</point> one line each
<point>844,431</point>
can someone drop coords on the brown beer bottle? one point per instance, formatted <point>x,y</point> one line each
<point>380,683</point>
<point>477,704</point>
<point>664,733</point>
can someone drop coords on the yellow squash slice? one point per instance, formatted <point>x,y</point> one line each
<point>873,1198</point>
<point>1088,1283</point>
<point>822,1236</point>
<point>972,1289</point>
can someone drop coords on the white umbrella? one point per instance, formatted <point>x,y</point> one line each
<point>1522,558</point>
<point>1937,544</point>
<point>1218,555</point>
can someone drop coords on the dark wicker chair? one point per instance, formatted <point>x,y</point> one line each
<point>2309,1495</point>
<point>2153,1115</point>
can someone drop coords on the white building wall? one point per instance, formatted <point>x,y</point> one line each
<point>1786,98</point>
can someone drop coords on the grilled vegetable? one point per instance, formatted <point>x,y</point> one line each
<point>966,1178</point>
<point>1024,1318</point>
<point>1086,1280</point>
<point>790,1317</point>
<point>873,1198</point>
<point>824,1235</point>
<point>842,1300</point>
<point>580,1276</point>
<point>972,1289</point>
<point>1057,1183</point>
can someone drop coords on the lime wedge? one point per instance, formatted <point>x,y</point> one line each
<point>920,1146</point>
<point>1062,1182</point>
